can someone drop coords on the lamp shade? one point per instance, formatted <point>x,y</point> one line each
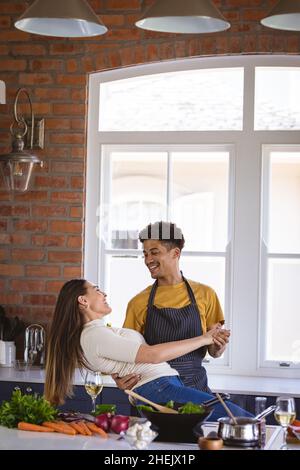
<point>285,15</point>
<point>62,18</point>
<point>183,16</point>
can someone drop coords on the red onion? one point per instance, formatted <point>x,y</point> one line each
<point>103,421</point>
<point>119,423</point>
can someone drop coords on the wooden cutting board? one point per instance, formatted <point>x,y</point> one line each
<point>292,440</point>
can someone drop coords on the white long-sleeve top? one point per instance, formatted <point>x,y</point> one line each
<point>113,350</point>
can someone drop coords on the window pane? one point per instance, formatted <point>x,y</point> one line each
<point>207,270</point>
<point>277,98</point>
<point>127,276</point>
<point>200,198</point>
<point>138,194</point>
<point>283,306</point>
<point>284,203</point>
<point>208,99</point>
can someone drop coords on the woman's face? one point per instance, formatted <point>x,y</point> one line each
<point>94,300</point>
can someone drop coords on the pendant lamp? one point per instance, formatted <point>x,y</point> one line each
<point>62,18</point>
<point>183,16</point>
<point>285,15</point>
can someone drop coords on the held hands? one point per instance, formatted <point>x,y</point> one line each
<point>126,382</point>
<point>217,335</point>
<point>220,337</point>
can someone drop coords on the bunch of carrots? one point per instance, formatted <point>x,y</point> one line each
<point>85,428</point>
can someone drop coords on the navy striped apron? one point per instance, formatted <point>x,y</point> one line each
<point>172,324</point>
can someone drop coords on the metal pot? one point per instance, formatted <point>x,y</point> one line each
<point>247,431</point>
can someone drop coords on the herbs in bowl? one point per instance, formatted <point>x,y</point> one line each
<point>176,427</point>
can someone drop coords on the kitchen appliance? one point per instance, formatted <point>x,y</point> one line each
<point>246,433</point>
<point>34,352</point>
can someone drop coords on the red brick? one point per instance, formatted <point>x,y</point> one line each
<point>27,285</point>
<point>64,256</point>
<point>123,5</point>
<point>48,240</point>
<point>70,272</point>
<point>69,109</point>
<point>76,212</point>
<point>66,226</point>
<point>31,225</point>
<point>78,124</point>
<point>13,239</point>
<point>67,138</point>
<point>28,255</point>
<point>3,254</point>
<point>77,182</point>
<point>14,35</point>
<point>50,182</point>
<point>32,196</point>
<point>28,49</point>
<point>42,271</point>
<point>67,167</point>
<point>11,270</point>
<point>35,78</point>
<point>45,65</point>
<point>49,211</point>
<point>12,65</point>
<point>67,48</point>
<point>32,299</point>
<point>71,196</point>
<point>74,242</point>
<point>71,80</point>
<point>14,210</point>
<point>54,286</point>
<point>53,94</point>
<point>10,298</point>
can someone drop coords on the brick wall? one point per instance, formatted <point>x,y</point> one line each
<point>41,231</point>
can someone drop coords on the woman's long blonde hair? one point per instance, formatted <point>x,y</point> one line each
<point>64,352</point>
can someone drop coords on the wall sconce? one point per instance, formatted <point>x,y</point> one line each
<point>16,167</point>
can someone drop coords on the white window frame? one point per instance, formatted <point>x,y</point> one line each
<point>246,256</point>
<point>265,256</point>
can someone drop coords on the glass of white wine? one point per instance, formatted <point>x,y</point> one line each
<point>285,413</point>
<point>93,385</point>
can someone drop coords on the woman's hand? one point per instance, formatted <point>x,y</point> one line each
<point>126,382</point>
<point>210,337</point>
<point>220,340</point>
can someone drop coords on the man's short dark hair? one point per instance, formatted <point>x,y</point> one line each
<point>166,232</point>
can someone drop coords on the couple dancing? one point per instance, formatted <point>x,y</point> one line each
<point>78,338</point>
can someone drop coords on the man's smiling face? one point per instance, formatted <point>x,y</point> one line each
<point>159,259</point>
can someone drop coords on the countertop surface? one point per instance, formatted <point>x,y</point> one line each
<point>218,383</point>
<point>13,439</point>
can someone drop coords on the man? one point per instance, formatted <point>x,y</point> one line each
<point>173,308</point>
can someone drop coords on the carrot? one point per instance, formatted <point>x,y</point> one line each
<point>33,427</point>
<point>78,428</point>
<point>87,430</point>
<point>58,427</point>
<point>66,425</point>
<point>97,430</point>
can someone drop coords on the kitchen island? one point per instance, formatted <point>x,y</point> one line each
<point>13,439</point>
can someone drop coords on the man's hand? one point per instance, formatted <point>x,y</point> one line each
<point>220,341</point>
<point>126,382</point>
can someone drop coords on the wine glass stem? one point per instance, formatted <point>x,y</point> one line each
<point>94,404</point>
<point>284,445</point>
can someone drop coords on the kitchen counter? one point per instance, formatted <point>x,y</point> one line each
<point>13,439</point>
<point>218,383</point>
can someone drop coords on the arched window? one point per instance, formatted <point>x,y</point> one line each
<point>211,144</point>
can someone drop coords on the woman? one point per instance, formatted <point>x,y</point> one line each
<point>78,338</point>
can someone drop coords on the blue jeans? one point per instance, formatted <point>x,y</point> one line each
<point>171,388</point>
